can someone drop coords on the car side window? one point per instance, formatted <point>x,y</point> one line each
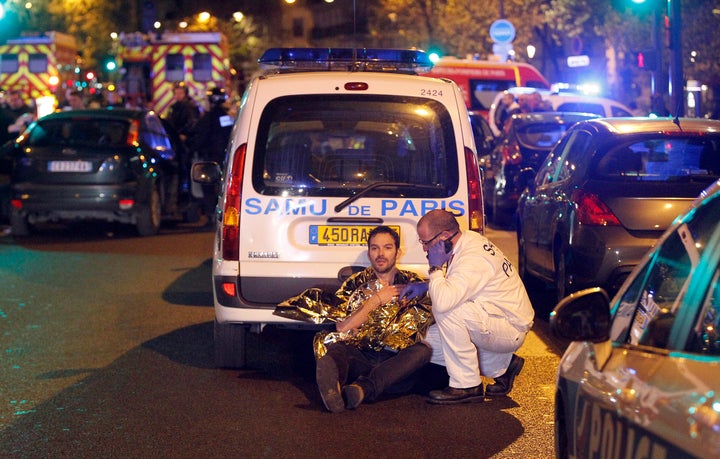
<point>563,162</point>
<point>619,111</point>
<point>647,310</point>
<point>705,337</point>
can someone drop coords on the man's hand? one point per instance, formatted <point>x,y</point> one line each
<point>436,254</point>
<point>387,293</point>
<point>413,290</point>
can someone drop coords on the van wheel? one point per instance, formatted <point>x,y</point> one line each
<point>19,225</point>
<point>149,218</point>
<point>230,342</point>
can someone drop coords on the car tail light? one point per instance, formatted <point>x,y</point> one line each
<point>126,204</point>
<point>16,204</point>
<point>592,211</point>
<point>231,209</point>
<point>511,154</point>
<point>133,132</point>
<point>475,198</point>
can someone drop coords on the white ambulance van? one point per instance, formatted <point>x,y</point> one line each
<point>328,144</point>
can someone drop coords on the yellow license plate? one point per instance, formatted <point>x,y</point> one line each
<point>342,234</point>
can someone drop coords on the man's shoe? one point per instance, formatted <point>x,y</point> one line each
<point>451,395</point>
<point>504,384</point>
<point>326,376</point>
<point>354,395</point>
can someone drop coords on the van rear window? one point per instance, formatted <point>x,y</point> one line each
<point>322,145</point>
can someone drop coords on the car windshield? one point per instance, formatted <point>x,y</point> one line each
<point>84,132</point>
<point>540,135</point>
<point>661,159</point>
<point>339,145</point>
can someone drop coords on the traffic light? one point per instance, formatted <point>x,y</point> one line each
<point>647,59</point>
<point>109,63</point>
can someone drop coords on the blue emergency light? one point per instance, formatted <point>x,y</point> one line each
<point>346,59</point>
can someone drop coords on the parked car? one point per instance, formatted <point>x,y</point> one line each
<point>526,142</point>
<point>109,164</point>
<point>321,155</point>
<point>640,377</point>
<point>562,102</point>
<point>605,194</point>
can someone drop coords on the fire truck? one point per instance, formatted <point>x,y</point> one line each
<point>152,64</point>
<point>40,65</point>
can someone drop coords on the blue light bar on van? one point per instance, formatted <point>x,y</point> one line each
<point>346,59</point>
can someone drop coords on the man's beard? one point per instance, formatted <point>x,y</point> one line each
<point>389,267</point>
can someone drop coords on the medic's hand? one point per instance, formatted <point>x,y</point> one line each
<point>413,290</point>
<point>436,254</point>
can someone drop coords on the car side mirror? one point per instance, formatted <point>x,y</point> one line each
<point>207,172</point>
<point>526,177</point>
<point>583,316</point>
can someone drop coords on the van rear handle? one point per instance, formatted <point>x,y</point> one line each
<point>356,220</point>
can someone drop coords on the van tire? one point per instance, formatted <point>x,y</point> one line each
<point>230,340</point>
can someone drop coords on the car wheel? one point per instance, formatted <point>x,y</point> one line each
<point>150,217</point>
<point>562,288</point>
<point>561,434</point>
<point>19,225</point>
<point>230,342</point>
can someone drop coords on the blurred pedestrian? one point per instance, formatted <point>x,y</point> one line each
<point>15,116</point>
<point>209,140</point>
<point>181,119</point>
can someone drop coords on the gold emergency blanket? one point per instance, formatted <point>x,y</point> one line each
<point>395,325</point>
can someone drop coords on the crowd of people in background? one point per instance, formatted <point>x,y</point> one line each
<point>526,103</point>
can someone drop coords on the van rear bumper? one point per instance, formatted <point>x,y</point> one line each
<point>263,292</point>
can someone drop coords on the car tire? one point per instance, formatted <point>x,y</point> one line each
<point>230,340</point>
<point>150,216</point>
<point>561,433</point>
<point>19,225</point>
<point>562,287</point>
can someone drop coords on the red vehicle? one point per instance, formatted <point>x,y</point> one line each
<point>480,81</point>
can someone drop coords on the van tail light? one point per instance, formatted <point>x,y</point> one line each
<point>133,133</point>
<point>231,207</point>
<point>592,211</point>
<point>511,154</point>
<point>475,198</point>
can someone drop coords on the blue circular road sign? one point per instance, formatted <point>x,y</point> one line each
<point>502,31</point>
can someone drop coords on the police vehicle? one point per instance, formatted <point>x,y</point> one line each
<point>328,144</point>
<point>640,378</point>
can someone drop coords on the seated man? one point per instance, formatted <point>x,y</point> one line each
<point>376,347</point>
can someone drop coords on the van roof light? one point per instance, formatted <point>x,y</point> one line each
<point>346,59</point>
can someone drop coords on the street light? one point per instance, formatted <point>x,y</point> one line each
<point>531,51</point>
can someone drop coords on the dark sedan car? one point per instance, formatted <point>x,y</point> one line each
<point>605,194</point>
<point>109,164</point>
<point>525,143</point>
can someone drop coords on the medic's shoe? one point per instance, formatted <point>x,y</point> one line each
<point>504,384</point>
<point>452,396</point>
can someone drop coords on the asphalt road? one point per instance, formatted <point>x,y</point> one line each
<point>107,352</point>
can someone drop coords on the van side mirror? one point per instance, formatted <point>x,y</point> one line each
<point>583,316</point>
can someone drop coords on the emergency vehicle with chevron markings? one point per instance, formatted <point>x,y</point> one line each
<point>39,65</point>
<point>151,65</point>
